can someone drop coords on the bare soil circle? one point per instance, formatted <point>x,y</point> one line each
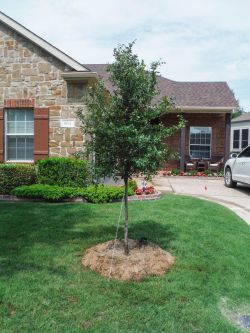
<point>109,260</point>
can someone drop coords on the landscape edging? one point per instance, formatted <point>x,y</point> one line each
<point>142,197</point>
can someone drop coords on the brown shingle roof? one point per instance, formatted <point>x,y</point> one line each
<point>186,94</point>
<point>243,117</point>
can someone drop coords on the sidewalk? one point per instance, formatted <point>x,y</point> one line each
<point>238,199</point>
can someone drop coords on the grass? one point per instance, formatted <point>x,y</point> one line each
<point>44,288</point>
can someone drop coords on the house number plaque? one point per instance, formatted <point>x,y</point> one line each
<point>68,123</point>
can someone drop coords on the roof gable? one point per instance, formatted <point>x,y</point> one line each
<point>41,43</point>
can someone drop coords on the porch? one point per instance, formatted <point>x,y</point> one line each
<point>204,143</point>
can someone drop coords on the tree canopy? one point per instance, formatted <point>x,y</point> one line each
<point>123,127</point>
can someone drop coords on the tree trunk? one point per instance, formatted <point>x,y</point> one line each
<point>126,249</point>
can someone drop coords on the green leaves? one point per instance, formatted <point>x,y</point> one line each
<point>45,192</point>
<point>63,171</point>
<point>124,129</point>
<point>12,175</point>
<point>53,193</point>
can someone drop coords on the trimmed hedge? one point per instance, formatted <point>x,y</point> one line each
<point>63,171</point>
<point>104,193</point>
<point>13,175</point>
<point>46,192</point>
<point>94,194</point>
<point>132,184</point>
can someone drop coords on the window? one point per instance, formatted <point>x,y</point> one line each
<point>19,135</point>
<point>236,139</point>
<point>76,91</point>
<point>200,142</point>
<point>244,138</point>
<point>241,138</point>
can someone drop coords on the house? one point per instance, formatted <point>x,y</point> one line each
<point>240,132</point>
<point>41,88</point>
<point>206,107</point>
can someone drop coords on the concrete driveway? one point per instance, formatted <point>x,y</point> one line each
<point>238,199</point>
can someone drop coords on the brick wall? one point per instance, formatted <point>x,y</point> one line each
<point>29,73</point>
<point>216,121</point>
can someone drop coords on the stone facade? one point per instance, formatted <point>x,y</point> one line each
<point>29,72</point>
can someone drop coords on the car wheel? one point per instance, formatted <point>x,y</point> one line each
<point>229,182</point>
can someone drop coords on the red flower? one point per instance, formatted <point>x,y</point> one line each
<point>138,191</point>
<point>150,190</point>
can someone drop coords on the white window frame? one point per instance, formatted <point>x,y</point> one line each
<point>210,151</point>
<point>240,137</point>
<point>14,135</point>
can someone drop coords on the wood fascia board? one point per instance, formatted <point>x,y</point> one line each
<point>78,76</point>
<point>240,121</point>
<point>204,109</point>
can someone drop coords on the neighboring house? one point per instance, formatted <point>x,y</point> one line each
<point>41,88</point>
<point>240,132</point>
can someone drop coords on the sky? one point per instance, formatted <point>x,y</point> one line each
<point>199,40</point>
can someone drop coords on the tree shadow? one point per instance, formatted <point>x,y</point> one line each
<point>155,232</point>
<point>13,266</point>
<point>30,233</point>
<point>27,228</point>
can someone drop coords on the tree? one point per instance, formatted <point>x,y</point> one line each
<point>238,113</point>
<point>123,128</point>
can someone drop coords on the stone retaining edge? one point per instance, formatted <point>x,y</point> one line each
<point>142,197</point>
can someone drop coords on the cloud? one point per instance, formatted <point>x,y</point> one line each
<point>199,40</point>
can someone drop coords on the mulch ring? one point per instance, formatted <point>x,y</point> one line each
<point>142,261</point>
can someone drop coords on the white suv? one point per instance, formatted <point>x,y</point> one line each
<point>237,168</point>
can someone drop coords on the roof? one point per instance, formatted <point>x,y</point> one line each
<point>189,95</point>
<point>211,95</point>
<point>41,43</point>
<point>244,117</point>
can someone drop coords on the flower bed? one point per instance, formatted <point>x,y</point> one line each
<point>192,173</point>
<point>145,193</point>
<point>92,193</point>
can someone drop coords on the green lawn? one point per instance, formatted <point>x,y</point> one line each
<point>44,288</point>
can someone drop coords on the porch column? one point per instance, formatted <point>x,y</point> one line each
<point>227,135</point>
<point>183,148</point>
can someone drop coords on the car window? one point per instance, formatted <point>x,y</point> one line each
<point>245,153</point>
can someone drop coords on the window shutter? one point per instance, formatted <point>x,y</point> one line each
<point>41,133</point>
<point>1,136</point>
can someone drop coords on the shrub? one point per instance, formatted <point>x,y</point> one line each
<point>132,184</point>
<point>94,194</point>
<point>175,172</point>
<point>104,193</point>
<point>13,175</point>
<point>63,171</point>
<point>192,172</point>
<point>46,192</point>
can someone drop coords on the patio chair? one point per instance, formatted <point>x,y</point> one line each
<point>215,166</point>
<point>190,165</point>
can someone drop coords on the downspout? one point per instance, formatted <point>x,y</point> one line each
<point>227,135</point>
